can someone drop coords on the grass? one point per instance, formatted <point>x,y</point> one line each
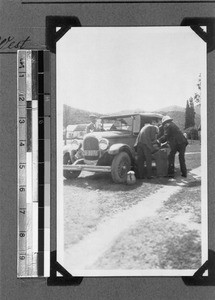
<point>154,244</point>
<point>185,201</point>
<point>193,160</point>
<point>193,146</point>
<point>86,207</point>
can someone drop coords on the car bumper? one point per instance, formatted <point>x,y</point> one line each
<point>90,168</point>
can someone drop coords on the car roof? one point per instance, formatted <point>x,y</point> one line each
<point>146,115</point>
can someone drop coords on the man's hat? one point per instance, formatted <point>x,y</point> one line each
<point>166,119</point>
<point>92,116</point>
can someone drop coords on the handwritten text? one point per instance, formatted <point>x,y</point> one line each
<point>10,42</point>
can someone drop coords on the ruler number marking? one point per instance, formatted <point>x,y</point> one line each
<point>21,63</point>
<point>21,98</point>
<point>22,234</point>
<point>22,121</point>
<point>22,257</point>
<point>22,166</point>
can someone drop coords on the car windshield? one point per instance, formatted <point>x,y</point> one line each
<point>117,123</point>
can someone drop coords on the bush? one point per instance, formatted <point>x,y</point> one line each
<point>192,133</point>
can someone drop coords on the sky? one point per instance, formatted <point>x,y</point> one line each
<point>110,69</point>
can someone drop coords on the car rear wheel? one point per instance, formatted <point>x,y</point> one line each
<point>121,164</point>
<point>66,173</point>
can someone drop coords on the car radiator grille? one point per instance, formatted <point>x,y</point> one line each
<point>91,148</point>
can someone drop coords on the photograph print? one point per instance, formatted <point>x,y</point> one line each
<point>131,151</point>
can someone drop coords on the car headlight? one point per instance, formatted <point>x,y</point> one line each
<point>75,145</point>
<point>103,144</point>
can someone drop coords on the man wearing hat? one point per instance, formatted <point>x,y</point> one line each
<point>177,142</point>
<point>92,125</point>
<point>146,145</point>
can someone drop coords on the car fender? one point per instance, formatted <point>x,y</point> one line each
<point>79,162</point>
<point>69,151</point>
<point>117,148</point>
<point>66,149</point>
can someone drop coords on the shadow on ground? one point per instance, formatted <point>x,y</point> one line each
<point>104,182</point>
<point>100,181</point>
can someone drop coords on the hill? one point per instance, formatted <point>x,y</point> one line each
<point>77,116</point>
<point>173,108</point>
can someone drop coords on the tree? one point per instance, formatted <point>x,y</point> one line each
<point>66,115</point>
<point>189,114</point>
<point>197,96</point>
<point>192,112</point>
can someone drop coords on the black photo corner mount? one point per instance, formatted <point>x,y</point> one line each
<point>65,23</point>
<point>196,25</point>
<point>65,279</point>
<point>53,35</point>
<point>198,279</point>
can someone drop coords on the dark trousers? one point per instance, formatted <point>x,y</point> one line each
<point>161,160</point>
<point>144,154</point>
<point>181,149</point>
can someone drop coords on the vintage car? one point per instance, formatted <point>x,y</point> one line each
<point>110,149</point>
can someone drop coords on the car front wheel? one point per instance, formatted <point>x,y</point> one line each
<point>121,164</point>
<point>66,173</point>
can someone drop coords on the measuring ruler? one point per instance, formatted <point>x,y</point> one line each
<point>31,215</point>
